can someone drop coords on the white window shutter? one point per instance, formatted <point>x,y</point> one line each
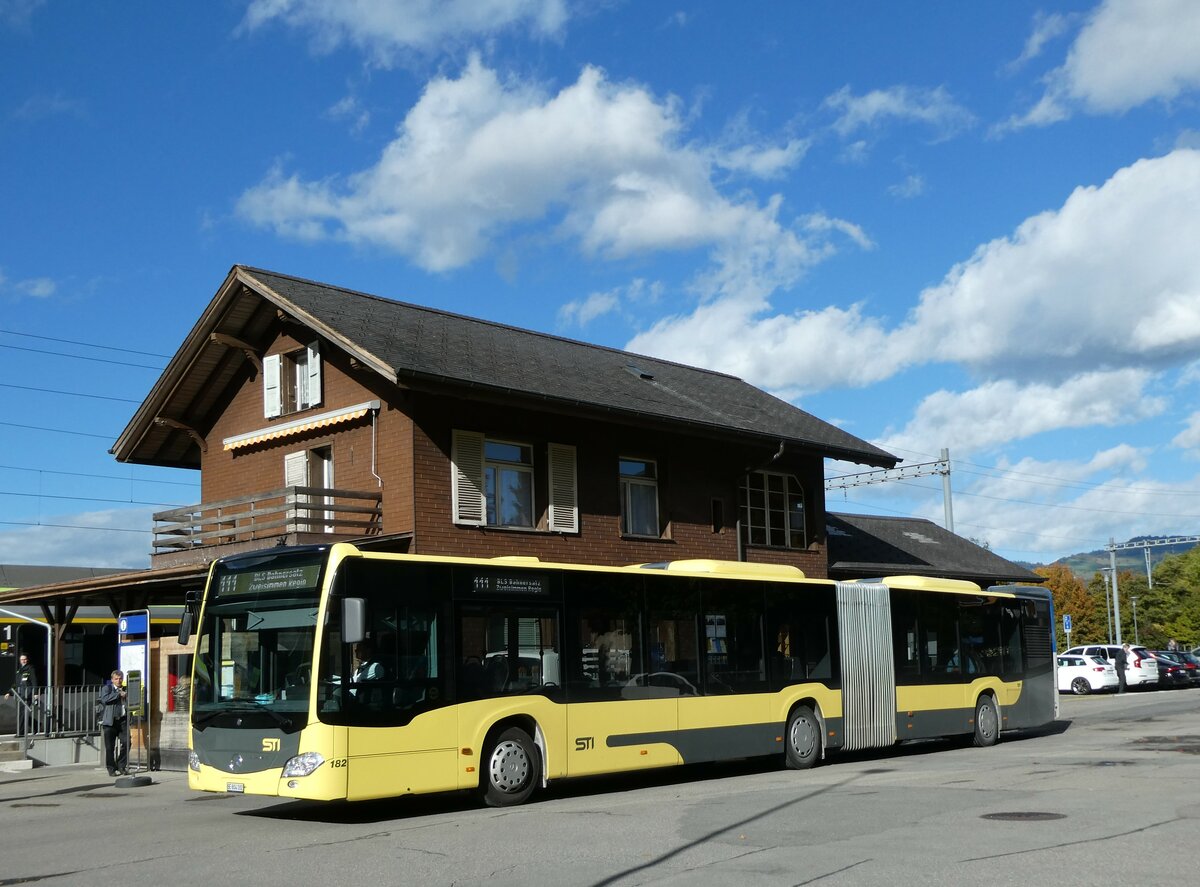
<point>295,469</point>
<point>466,478</point>
<point>295,474</point>
<point>314,374</point>
<point>564,507</point>
<point>272,393</point>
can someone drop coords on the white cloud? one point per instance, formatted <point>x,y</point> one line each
<point>1045,314</point>
<point>86,539</point>
<point>31,287</point>
<point>350,108</point>
<point>582,312</point>
<point>381,28</point>
<point>933,107</point>
<point>1189,438</point>
<point>605,163</point>
<point>638,292</point>
<point>16,14</point>
<point>912,186</point>
<point>1000,411</point>
<point>1058,292</point>
<point>1129,52</point>
<point>1046,28</point>
<point>765,162</point>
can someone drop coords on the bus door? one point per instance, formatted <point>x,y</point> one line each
<point>510,656</point>
<point>389,689</point>
<point>619,715</point>
<point>729,715</point>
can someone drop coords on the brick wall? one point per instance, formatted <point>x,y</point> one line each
<point>692,473</point>
<point>412,440</point>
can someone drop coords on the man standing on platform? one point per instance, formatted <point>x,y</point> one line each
<point>112,724</point>
<point>24,685</point>
<point>1121,661</point>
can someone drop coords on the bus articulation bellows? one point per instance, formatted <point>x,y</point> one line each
<point>331,673</point>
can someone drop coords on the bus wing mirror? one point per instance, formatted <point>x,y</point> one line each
<point>354,620</point>
<point>191,606</point>
<point>185,628</point>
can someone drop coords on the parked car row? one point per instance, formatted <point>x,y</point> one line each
<point>1090,669</point>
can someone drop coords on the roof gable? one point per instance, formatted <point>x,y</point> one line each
<point>415,346</point>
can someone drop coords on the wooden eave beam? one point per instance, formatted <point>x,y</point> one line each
<point>187,429</point>
<point>245,347</point>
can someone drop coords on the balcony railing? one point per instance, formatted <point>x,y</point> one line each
<point>269,515</point>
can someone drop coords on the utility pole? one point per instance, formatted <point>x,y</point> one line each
<point>1107,603</point>
<point>1112,565</point>
<point>1114,547</point>
<point>884,475</point>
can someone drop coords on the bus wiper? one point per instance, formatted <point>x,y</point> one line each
<point>242,703</point>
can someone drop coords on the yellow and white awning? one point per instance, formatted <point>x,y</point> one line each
<point>300,426</point>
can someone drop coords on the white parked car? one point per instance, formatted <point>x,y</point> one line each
<point>1085,674</point>
<point>1141,669</point>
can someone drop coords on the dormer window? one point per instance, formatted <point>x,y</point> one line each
<point>292,381</point>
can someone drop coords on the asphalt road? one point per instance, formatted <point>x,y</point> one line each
<point>1109,795</point>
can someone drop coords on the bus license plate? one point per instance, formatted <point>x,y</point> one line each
<point>235,787</point>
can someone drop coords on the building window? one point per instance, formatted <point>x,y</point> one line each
<point>773,510</point>
<point>508,483</point>
<point>492,484</point>
<point>639,497</point>
<point>292,381</point>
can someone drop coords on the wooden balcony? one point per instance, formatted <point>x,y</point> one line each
<point>292,515</point>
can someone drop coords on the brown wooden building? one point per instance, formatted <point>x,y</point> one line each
<point>315,412</point>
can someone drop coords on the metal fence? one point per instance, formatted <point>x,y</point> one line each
<point>56,711</point>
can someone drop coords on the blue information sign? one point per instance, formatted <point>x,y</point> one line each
<point>1067,622</point>
<point>133,623</point>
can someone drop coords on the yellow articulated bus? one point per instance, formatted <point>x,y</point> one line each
<point>331,673</point>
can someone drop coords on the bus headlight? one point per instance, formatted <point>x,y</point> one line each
<point>303,765</point>
<point>193,761</point>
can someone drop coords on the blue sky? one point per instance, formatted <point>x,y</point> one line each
<point>969,226</point>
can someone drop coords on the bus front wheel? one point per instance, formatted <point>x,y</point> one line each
<point>511,769</point>
<point>987,722</point>
<point>803,738</point>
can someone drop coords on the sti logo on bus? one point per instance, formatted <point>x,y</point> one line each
<point>271,743</point>
<point>585,743</point>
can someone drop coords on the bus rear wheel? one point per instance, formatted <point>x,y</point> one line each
<point>512,764</point>
<point>987,722</point>
<point>803,739</point>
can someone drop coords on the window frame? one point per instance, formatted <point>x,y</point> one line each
<point>627,484</point>
<point>796,540</point>
<point>556,512</point>
<point>292,381</point>
<point>497,465</point>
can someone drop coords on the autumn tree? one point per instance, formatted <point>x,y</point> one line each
<point>1073,598</point>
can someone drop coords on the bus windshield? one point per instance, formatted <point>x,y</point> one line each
<point>255,646</point>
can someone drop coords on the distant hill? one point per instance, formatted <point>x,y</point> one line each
<point>1086,564</point>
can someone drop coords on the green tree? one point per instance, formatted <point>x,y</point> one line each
<point>1172,608</point>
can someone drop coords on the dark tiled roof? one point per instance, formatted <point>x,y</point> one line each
<point>863,546</point>
<point>26,576</point>
<point>420,343</point>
